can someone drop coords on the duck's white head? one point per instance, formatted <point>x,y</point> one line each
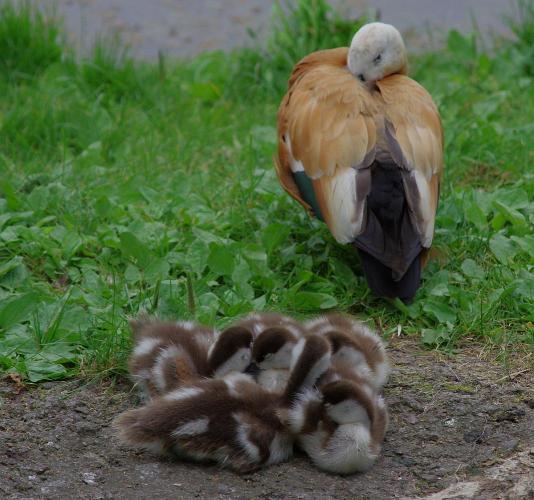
<point>376,51</point>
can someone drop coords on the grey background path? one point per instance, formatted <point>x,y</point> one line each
<point>182,28</point>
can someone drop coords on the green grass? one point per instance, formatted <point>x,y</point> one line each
<point>128,186</point>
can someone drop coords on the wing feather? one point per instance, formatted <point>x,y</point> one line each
<point>415,138</point>
<point>327,121</point>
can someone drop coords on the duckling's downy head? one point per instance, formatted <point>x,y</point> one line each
<point>231,351</point>
<point>344,403</point>
<point>273,348</point>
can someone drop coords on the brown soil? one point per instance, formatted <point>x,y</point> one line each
<point>460,428</point>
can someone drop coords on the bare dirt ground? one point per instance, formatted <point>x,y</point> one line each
<point>461,427</point>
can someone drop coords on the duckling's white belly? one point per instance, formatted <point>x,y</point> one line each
<point>273,380</point>
<point>346,451</point>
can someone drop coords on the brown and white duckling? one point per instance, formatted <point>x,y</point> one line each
<point>272,353</point>
<point>341,425</point>
<point>257,322</point>
<point>231,421</point>
<point>356,344</point>
<point>231,352</point>
<point>167,355</point>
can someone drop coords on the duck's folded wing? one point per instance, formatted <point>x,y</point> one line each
<point>327,138</point>
<point>415,140</point>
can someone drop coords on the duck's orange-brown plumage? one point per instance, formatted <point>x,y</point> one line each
<point>336,130</point>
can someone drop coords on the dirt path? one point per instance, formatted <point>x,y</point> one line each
<point>459,429</point>
<point>185,27</point>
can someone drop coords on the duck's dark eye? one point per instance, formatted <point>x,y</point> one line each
<point>361,77</point>
<point>377,59</point>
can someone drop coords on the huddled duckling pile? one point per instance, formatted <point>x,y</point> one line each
<point>242,397</point>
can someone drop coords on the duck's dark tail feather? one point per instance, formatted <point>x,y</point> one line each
<point>381,282</point>
<point>390,245</point>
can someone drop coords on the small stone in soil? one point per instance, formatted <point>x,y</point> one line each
<point>89,478</point>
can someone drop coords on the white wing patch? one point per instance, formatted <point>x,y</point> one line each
<point>192,428</point>
<point>294,165</point>
<point>346,211</point>
<point>146,346</point>
<point>183,393</point>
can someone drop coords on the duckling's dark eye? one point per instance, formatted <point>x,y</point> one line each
<point>377,59</point>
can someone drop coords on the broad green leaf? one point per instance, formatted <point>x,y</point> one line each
<point>38,368</point>
<point>221,260</point>
<point>474,214</point>
<point>495,296</point>
<point>241,273</point>
<point>514,198</point>
<point>38,199</point>
<point>472,270</point>
<point>10,265</point>
<point>257,259</point>
<point>440,310</point>
<point>132,247</point>
<point>525,288</point>
<point>274,236</point>
<point>208,237</point>
<point>197,256</point>
<point>430,336</point>
<point>158,269</point>
<point>132,274</point>
<point>502,248</point>
<point>17,309</point>
<point>526,243</point>
<point>412,310</point>
<point>75,319</point>
<point>314,300</point>
<point>512,215</point>
<point>440,290</point>
<point>103,206</point>
<point>207,307</point>
<point>525,285</point>
<point>19,339</point>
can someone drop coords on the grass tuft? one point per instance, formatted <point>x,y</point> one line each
<point>30,41</point>
<point>110,72</point>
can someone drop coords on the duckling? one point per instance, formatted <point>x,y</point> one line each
<point>167,355</point>
<point>341,425</point>
<point>257,322</point>
<point>353,342</point>
<point>231,421</point>
<point>271,353</point>
<point>231,352</point>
